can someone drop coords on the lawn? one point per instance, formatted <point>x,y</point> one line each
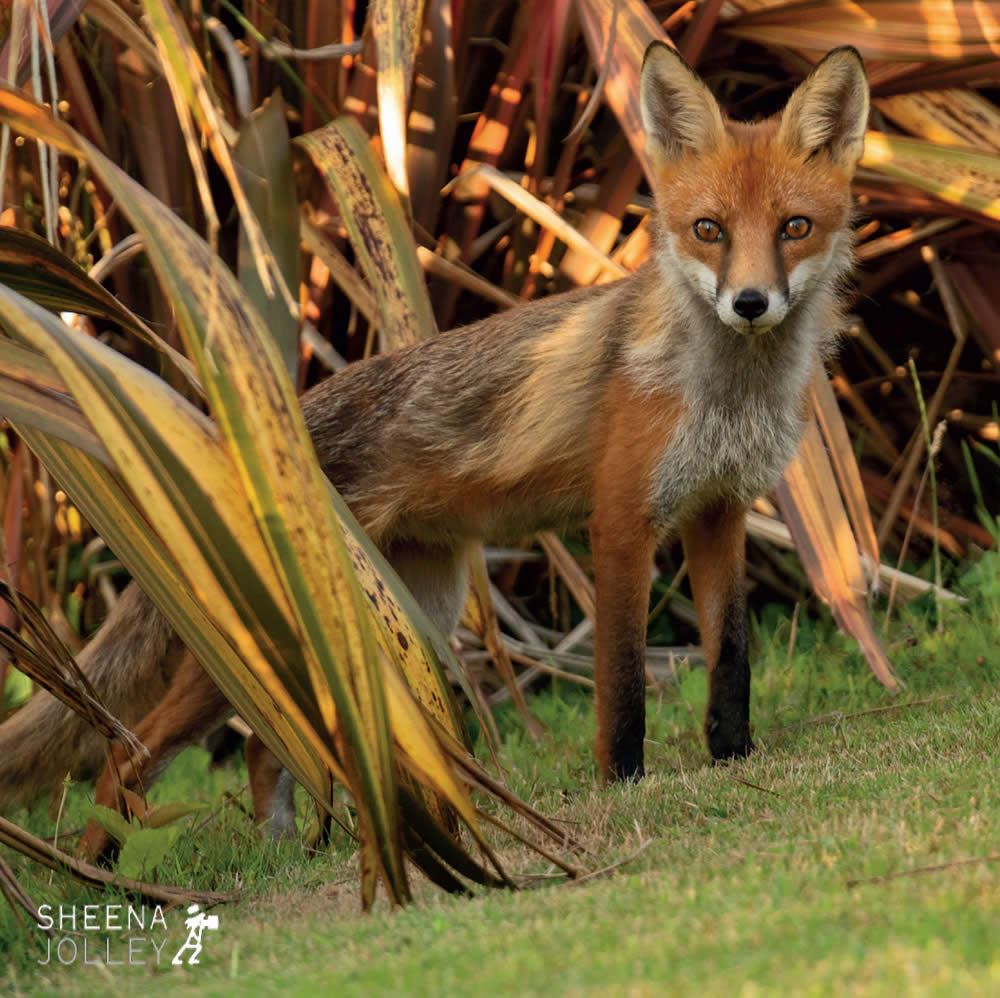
<point>858,851</point>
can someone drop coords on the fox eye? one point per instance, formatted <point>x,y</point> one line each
<point>707,230</point>
<point>797,227</point>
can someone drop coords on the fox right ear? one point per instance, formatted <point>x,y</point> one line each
<point>679,113</point>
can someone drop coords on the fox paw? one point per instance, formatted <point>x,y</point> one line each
<point>96,846</point>
<point>623,760</point>
<point>727,740</point>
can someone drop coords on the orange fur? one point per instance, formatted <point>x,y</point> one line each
<point>714,548</point>
<point>192,706</point>
<point>623,535</point>
<point>264,769</point>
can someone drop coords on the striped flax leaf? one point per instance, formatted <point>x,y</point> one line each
<point>263,160</point>
<point>47,276</point>
<point>635,28</point>
<point>960,176</point>
<point>845,466</point>
<point>948,117</point>
<point>238,361</point>
<point>812,509</point>
<point>192,96</point>
<point>380,234</point>
<point>904,30</point>
<point>157,564</point>
<point>433,115</point>
<point>396,26</point>
<point>406,636</point>
<point>32,392</point>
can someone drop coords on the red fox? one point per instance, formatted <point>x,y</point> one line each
<point>661,404</point>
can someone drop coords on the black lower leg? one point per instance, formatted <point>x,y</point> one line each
<point>727,722</point>
<point>628,731</point>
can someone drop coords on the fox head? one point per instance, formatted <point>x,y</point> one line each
<point>754,217</point>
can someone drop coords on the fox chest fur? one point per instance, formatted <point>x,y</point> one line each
<point>718,453</point>
<point>740,422</point>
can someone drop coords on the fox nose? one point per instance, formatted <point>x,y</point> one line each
<point>750,303</point>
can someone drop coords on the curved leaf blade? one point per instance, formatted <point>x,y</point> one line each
<point>263,160</point>
<point>396,27</point>
<point>960,176</point>
<point>381,237</point>
<point>41,272</point>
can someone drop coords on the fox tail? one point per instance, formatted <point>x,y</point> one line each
<point>128,662</point>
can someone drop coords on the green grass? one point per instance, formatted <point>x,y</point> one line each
<point>733,880</point>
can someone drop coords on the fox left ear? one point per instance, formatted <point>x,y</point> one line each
<point>829,110</point>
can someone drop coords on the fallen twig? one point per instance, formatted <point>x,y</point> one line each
<point>613,866</point>
<point>754,786</point>
<point>937,868</point>
<point>41,852</point>
<point>838,716</point>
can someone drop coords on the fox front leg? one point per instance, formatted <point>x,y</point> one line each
<point>622,569</point>
<point>715,550</point>
<point>624,536</point>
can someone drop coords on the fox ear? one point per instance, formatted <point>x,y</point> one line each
<point>829,110</point>
<point>679,112</point>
